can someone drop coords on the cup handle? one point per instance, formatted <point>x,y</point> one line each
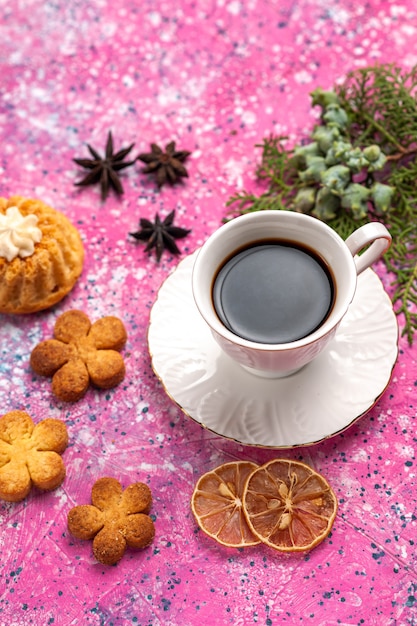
<point>374,235</point>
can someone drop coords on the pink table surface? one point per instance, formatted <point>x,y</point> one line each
<point>216,76</point>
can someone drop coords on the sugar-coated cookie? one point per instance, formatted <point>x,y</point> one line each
<point>116,519</point>
<point>80,353</point>
<point>30,454</point>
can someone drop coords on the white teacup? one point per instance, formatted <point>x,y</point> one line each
<point>301,231</point>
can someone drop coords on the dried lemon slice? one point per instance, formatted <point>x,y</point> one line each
<point>288,505</point>
<point>217,504</point>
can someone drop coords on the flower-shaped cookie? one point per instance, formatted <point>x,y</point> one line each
<point>30,455</point>
<point>115,519</point>
<point>81,352</point>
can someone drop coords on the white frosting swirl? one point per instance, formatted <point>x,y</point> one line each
<point>18,234</point>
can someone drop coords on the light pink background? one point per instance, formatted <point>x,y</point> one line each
<point>216,77</point>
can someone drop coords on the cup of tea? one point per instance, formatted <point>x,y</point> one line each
<point>273,286</point>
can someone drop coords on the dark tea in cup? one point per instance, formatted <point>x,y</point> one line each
<point>273,291</point>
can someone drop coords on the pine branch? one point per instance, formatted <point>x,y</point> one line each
<point>380,102</point>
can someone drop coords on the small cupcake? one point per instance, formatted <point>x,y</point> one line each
<point>41,255</point>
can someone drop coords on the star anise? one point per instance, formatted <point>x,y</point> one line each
<point>104,170</point>
<point>167,166</point>
<point>160,235</point>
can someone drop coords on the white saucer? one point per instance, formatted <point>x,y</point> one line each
<point>317,402</point>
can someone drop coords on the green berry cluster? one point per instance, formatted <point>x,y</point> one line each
<point>334,174</point>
